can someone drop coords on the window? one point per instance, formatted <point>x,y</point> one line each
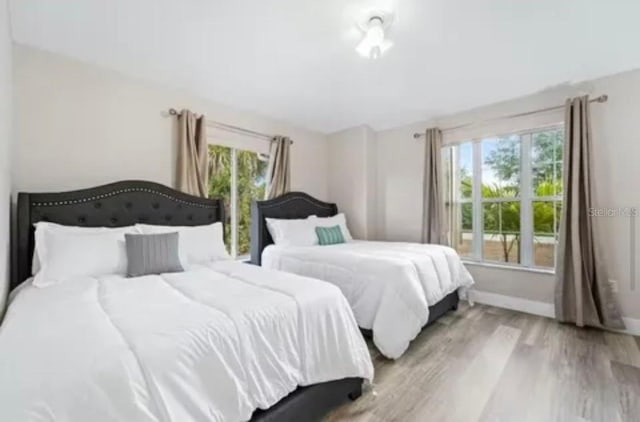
<point>505,197</point>
<point>238,177</point>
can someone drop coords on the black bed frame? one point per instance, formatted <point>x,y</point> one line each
<point>130,202</point>
<point>301,205</point>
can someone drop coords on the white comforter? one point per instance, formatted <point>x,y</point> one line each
<point>213,344</point>
<point>389,285</point>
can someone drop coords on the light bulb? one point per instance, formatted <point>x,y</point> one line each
<point>375,52</point>
<point>375,33</point>
<point>373,42</point>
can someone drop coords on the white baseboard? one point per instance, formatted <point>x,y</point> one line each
<point>514,303</point>
<point>633,326</point>
<point>536,307</point>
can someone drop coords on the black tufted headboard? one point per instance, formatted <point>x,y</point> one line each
<point>113,205</point>
<point>288,206</point>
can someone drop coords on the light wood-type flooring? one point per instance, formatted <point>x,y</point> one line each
<point>487,364</point>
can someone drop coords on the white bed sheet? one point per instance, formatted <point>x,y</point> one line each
<point>213,343</point>
<point>389,285</point>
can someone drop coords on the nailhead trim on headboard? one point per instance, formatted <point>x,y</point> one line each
<point>288,206</point>
<point>286,201</point>
<point>118,192</point>
<point>114,205</point>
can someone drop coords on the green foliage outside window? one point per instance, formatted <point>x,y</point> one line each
<point>251,185</point>
<point>502,219</point>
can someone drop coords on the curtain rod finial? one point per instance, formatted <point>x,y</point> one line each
<point>417,135</point>
<point>603,98</point>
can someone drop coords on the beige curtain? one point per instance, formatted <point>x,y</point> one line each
<point>433,224</point>
<point>279,173</point>
<point>192,175</point>
<point>452,226</point>
<point>583,294</point>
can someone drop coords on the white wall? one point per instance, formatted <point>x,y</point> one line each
<point>371,177</point>
<point>78,125</point>
<point>351,178</point>
<point>5,150</point>
<point>616,126</point>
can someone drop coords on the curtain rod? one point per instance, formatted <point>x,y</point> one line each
<point>230,128</point>
<point>600,99</point>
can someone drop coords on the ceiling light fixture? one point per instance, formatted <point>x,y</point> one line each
<point>373,43</point>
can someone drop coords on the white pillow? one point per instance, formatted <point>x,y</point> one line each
<point>196,244</point>
<point>42,226</point>
<point>292,232</point>
<point>68,254</point>
<point>336,220</point>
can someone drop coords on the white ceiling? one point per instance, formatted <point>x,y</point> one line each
<point>294,59</point>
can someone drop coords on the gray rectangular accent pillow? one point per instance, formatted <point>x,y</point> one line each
<point>152,254</point>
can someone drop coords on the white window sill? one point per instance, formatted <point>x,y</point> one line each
<point>499,266</point>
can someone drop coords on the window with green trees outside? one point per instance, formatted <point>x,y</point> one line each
<point>238,177</point>
<point>504,197</point>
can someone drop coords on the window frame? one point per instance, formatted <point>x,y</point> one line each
<point>233,206</point>
<point>233,197</point>
<point>526,198</point>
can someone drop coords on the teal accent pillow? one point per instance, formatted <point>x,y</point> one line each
<point>329,235</point>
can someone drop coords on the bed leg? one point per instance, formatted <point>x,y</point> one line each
<point>366,387</point>
<point>355,395</point>
<point>454,307</point>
